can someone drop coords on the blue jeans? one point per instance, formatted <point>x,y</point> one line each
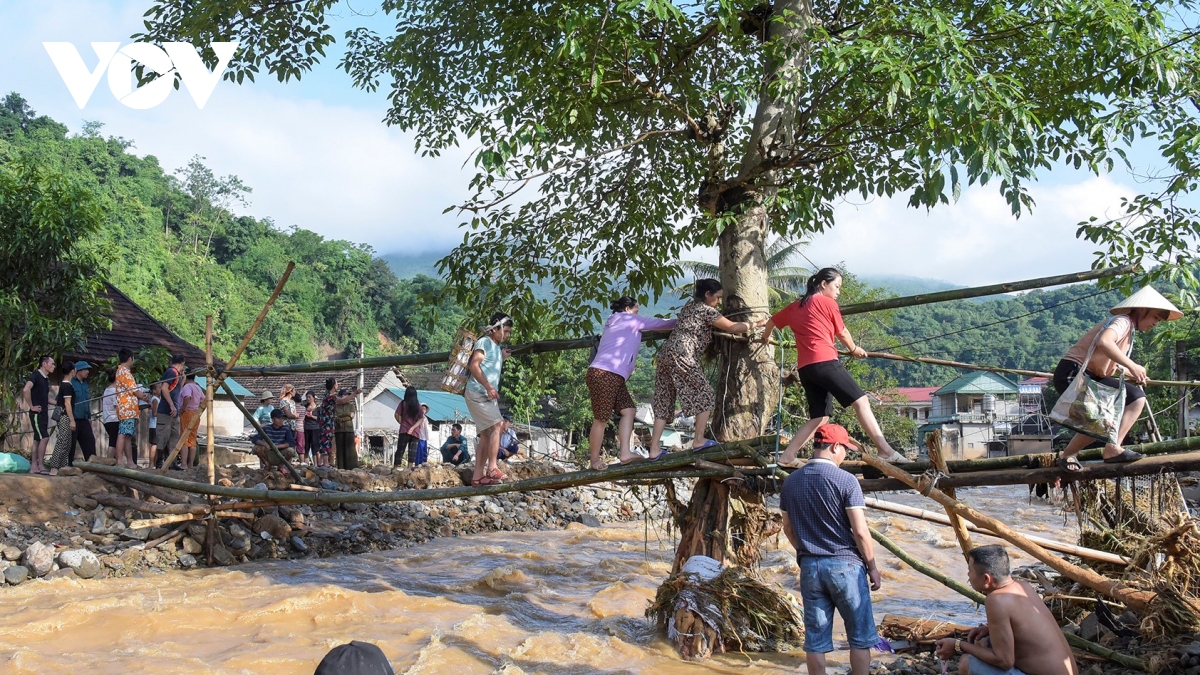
<point>826,583</point>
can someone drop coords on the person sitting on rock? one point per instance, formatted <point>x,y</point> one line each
<point>454,450</point>
<point>281,435</point>
<point>509,446</point>
<point>1020,636</point>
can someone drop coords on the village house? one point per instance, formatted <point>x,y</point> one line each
<point>975,413</point>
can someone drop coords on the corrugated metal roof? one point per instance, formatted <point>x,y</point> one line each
<point>978,382</point>
<point>443,406</point>
<point>238,390</point>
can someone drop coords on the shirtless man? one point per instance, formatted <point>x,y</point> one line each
<point>1020,637</point>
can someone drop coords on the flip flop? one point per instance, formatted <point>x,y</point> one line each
<point>1125,456</point>
<point>661,453</point>
<point>1070,464</point>
<point>708,443</point>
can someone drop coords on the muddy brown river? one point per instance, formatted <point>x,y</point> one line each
<point>566,601</point>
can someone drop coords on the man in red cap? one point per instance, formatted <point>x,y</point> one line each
<point>824,519</point>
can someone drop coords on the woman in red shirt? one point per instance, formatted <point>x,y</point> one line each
<point>816,320</point>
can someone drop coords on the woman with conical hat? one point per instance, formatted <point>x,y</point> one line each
<point>1141,311</point>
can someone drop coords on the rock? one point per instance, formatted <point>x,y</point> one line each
<point>1090,628</point>
<point>11,553</point>
<point>85,563</point>
<point>85,503</point>
<point>238,531</point>
<point>139,534</point>
<point>261,486</point>
<point>493,508</point>
<point>274,525</point>
<point>70,471</point>
<point>328,485</point>
<point>107,461</point>
<point>64,572</point>
<point>39,558</point>
<point>16,574</point>
<point>131,557</point>
<point>198,531</point>
<point>222,556</point>
<point>191,546</point>
<point>589,520</point>
<point>299,545</point>
<point>187,560</point>
<point>100,522</point>
<point>225,482</point>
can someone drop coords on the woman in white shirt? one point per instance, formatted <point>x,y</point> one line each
<point>108,415</point>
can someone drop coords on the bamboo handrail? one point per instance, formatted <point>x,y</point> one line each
<point>545,346</point>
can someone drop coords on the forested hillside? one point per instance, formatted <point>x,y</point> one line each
<point>171,242</point>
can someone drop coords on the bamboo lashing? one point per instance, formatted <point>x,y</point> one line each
<point>237,354</point>
<point>934,441</point>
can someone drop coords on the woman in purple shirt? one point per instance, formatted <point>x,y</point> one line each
<point>616,356</point>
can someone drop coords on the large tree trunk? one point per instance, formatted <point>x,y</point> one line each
<point>715,523</point>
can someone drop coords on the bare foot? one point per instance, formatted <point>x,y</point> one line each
<point>598,466</point>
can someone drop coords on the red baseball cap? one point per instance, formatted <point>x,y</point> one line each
<point>834,433</point>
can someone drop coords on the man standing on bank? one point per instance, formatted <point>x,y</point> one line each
<point>1020,637</point>
<point>824,519</point>
<point>816,320</point>
<point>37,403</point>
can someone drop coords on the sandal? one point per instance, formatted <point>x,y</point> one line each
<point>1070,464</point>
<point>1125,456</point>
<point>486,480</point>
<point>497,475</point>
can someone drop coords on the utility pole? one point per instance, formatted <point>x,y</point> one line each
<point>1179,364</point>
<point>358,414</point>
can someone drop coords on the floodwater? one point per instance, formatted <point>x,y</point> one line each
<point>566,601</point>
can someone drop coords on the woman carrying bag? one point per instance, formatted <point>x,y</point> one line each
<point>1089,405</point>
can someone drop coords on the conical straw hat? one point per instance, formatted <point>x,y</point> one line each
<point>1147,298</point>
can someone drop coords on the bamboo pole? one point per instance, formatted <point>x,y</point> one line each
<point>164,520</point>
<point>1051,544</point>
<point>123,502</point>
<point>962,466</point>
<point>263,435</point>
<point>237,354</point>
<point>978,598</point>
<point>997,369</point>
<point>545,346</point>
<point>672,461</point>
<point>934,441</point>
<point>1188,461</point>
<point>209,375</point>
<point>994,289</point>
<point>1135,599</point>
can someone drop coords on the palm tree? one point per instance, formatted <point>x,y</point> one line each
<point>785,282</point>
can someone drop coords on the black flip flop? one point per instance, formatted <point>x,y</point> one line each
<point>1124,457</point>
<point>1070,464</point>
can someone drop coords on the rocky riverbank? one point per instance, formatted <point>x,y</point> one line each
<point>52,526</point>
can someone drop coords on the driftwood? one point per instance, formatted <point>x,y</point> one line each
<point>920,632</point>
<point>165,520</point>
<point>1061,547</point>
<point>122,502</point>
<point>977,597</point>
<point>170,536</point>
<point>1134,598</point>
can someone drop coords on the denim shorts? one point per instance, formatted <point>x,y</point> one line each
<point>978,667</point>
<point>826,583</point>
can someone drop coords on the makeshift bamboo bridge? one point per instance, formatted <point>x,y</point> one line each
<point>748,465</point>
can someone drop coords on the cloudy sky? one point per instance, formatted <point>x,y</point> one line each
<point>317,156</point>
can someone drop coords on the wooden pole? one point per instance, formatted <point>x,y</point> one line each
<point>1135,599</point>
<point>633,470</point>
<point>209,375</point>
<point>1061,547</point>
<point>263,435</point>
<point>237,354</point>
<point>994,289</point>
<point>978,598</point>
<point>934,441</point>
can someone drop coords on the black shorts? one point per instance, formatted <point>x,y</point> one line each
<point>825,381</point>
<point>1066,371</point>
<point>151,434</point>
<point>40,421</point>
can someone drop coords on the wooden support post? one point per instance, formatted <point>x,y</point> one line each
<point>237,354</point>
<point>934,441</point>
<point>1137,600</point>
<point>209,375</point>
